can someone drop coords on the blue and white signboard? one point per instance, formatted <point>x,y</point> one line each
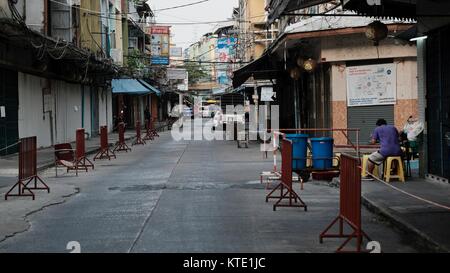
<point>371,85</point>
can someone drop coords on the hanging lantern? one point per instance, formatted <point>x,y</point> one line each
<point>295,73</point>
<point>309,65</point>
<point>376,31</point>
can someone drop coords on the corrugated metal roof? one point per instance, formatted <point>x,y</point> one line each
<point>404,9</point>
<point>318,23</point>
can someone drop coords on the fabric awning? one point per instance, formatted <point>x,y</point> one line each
<point>261,68</point>
<point>129,86</point>
<point>152,88</point>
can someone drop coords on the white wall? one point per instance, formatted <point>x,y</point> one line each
<point>32,120</point>
<point>68,110</point>
<point>87,110</point>
<point>358,47</point>
<point>66,107</point>
<point>105,108</point>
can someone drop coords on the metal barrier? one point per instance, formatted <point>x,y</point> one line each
<point>281,133</point>
<point>73,160</point>
<point>121,145</point>
<point>139,140</point>
<point>81,161</point>
<point>104,151</point>
<point>151,131</point>
<point>350,205</point>
<point>285,185</point>
<point>27,170</point>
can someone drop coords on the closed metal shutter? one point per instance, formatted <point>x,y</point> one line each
<point>365,118</point>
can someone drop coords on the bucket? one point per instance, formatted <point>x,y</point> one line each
<point>322,153</point>
<point>299,149</point>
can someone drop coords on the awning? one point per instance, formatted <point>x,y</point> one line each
<point>220,91</point>
<point>228,90</point>
<point>129,86</point>
<point>261,68</point>
<point>152,88</point>
<point>278,7</point>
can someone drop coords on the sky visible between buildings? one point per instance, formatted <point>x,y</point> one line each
<point>187,21</point>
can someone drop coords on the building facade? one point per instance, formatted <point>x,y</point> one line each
<point>58,59</point>
<point>327,74</point>
<point>253,35</point>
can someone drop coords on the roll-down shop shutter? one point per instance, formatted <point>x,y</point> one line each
<point>365,118</point>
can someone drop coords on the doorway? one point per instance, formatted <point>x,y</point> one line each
<point>9,109</point>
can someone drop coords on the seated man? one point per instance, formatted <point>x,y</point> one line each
<point>388,137</point>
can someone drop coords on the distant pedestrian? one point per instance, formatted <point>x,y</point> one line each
<point>388,137</point>
<point>147,116</point>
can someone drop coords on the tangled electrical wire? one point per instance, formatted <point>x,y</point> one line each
<point>56,53</point>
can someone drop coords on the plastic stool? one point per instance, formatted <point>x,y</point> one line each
<point>400,175</point>
<point>336,159</point>
<point>365,164</point>
<point>309,159</point>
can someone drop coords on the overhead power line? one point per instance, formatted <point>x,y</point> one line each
<point>182,6</point>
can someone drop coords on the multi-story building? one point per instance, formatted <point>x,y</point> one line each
<point>203,55</point>
<point>54,75</point>
<point>129,106</point>
<point>58,58</point>
<point>324,71</point>
<point>254,37</point>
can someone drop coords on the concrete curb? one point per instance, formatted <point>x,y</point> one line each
<point>422,240</point>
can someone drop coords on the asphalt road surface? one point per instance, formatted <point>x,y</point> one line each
<point>186,196</point>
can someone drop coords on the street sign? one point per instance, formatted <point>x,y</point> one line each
<point>2,112</point>
<point>176,74</point>
<point>160,44</point>
<point>176,52</point>
<point>182,87</point>
<point>267,93</point>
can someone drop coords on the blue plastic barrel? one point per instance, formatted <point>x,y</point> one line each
<point>322,152</point>
<point>299,150</point>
